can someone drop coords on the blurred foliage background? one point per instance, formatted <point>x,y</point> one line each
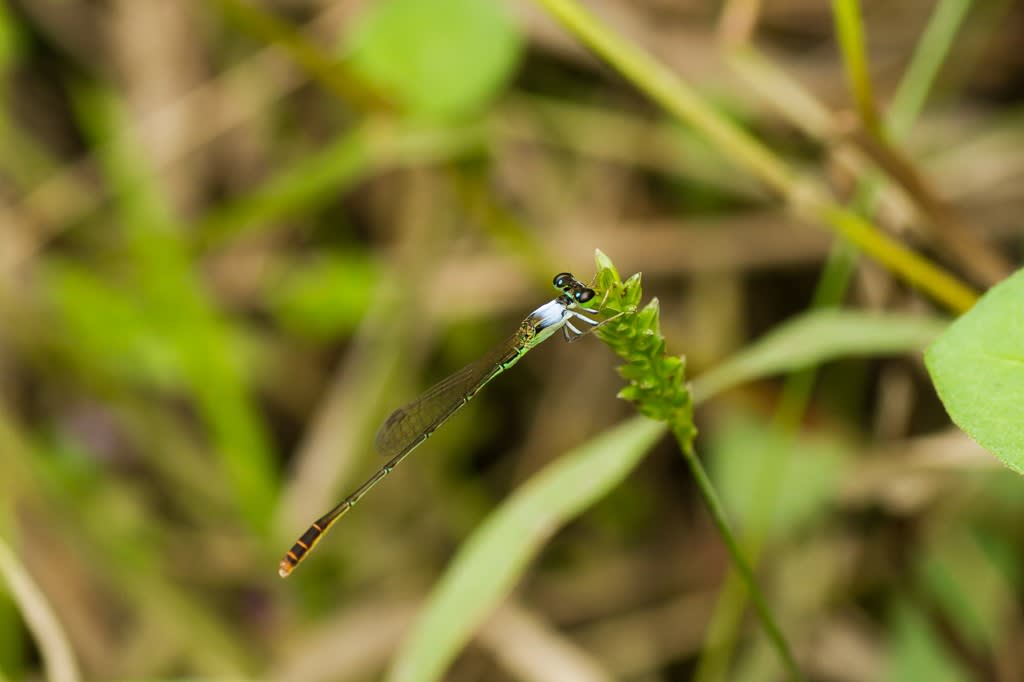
<point>235,235</point>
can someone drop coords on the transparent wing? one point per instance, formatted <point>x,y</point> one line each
<point>408,424</point>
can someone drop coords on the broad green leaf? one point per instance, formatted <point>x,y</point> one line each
<point>811,470</point>
<point>916,652</point>
<point>977,366</point>
<point>497,553</point>
<point>816,337</point>
<point>438,58</point>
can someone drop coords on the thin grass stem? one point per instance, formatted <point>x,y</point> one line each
<point>850,32</point>
<point>806,196</point>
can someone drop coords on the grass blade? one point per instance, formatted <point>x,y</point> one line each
<point>850,31</point>
<point>815,337</point>
<point>497,553</point>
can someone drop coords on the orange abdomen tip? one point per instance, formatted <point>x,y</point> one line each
<point>299,549</point>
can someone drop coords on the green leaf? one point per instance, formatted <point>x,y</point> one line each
<point>812,468</point>
<point>970,586</point>
<point>108,331</point>
<point>916,652</point>
<point>816,337</point>
<point>325,298</point>
<point>323,175</point>
<point>605,267</point>
<point>181,329</point>
<point>438,58</point>
<point>977,366</point>
<point>494,557</point>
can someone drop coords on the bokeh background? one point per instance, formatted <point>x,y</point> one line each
<point>235,235</point>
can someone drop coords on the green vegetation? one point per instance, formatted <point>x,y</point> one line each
<point>978,369</point>
<point>234,236</point>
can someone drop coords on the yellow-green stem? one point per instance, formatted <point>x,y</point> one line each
<point>850,32</point>
<point>663,86</point>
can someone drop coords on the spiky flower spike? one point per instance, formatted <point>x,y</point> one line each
<point>656,381</point>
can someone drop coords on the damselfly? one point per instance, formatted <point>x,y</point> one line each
<point>409,426</point>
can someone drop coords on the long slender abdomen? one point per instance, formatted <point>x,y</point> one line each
<point>408,427</point>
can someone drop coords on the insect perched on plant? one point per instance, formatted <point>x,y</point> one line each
<point>409,426</point>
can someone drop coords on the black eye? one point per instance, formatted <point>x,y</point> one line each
<point>585,295</point>
<point>562,279</point>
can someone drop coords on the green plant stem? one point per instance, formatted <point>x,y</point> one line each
<point>656,385</point>
<point>914,269</point>
<point>850,32</point>
<point>724,628</point>
<point>664,87</point>
<point>956,235</point>
<point>931,51</point>
<point>913,89</point>
<point>809,200</point>
<point>739,563</point>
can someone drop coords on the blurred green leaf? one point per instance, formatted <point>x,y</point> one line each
<point>977,366</point>
<point>332,170</point>
<point>326,174</point>
<point>318,63</point>
<point>325,298</point>
<point>916,653</point>
<point>438,58</point>
<point>493,558</point>
<point>10,38</point>
<point>814,467</point>
<point>156,273</point>
<point>969,585</point>
<point>73,474</point>
<point>112,522</point>
<point>108,330</point>
<point>818,336</point>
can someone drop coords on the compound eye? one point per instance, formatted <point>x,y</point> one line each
<point>585,295</point>
<point>562,280</point>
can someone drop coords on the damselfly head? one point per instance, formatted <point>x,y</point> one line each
<point>583,295</point>
<point>572,287</point>
<point>564,280</point>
